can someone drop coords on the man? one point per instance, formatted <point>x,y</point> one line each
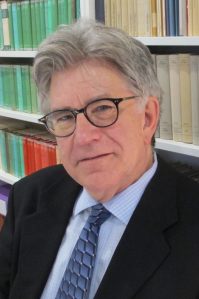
<point>100,95</point>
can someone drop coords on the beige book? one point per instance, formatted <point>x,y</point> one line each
<point>194,59</point>
<point>174,74</point>
<point>195,18</point>
<point>162,62</point>
<point>153,18</point>
<point>125,23</point>
<point>5,25</point>
<point>163,10</point>
<point>113,13</point>
<point>119,14</point>
<point>143,17</point>
<point>185,94</point>
<point>107,12</point>
<point>131,20</point>
<point>182,18</point>
<point>159,17</point>
<point>190,18</point>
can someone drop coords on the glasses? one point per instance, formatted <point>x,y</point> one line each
<point>100,113</point>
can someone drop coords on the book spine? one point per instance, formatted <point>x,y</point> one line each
<point>12,87</point>
<point>174,72</point>
<point>185,90</point>
<point>164,81</point>
<point>130,17</point>
<point>3,151</point>
<point>33,25</point>
<point>190,18</point>
<point>42,20</point>
<point>37,151</point>
<point>1,31</point>
<point>8,90</point>
<point>159,18</point>
<point>54,14</point>
<point>62,11</point>
<point>153,18</point>
<point>38,23</point>
<point>72,9</point>
<point>27,88</point>
<point>46,17</point>
<point>25,153</point>
<point>176,8</point>
<point>78,15</point>
<point>171,18</point>
<point>4,85</point>
<point>15,156</point>
<point>23,78</point>
<point>163,11</point>
<point>182,18</point>
<point>113,13</point>
<point>15,84</point>
<point>19,88</point>
<point>21,156</point>
<point>107,12</point>
<point>15,27</point>
<point>50,23</point>
<point>33,93</point>
<point>1,90</point>
<point>82,9</point>
<point>118,14</point>
<point>167,17</point>
<point>19,25</point>
<point>5,25</point>
<point>194,97</point>
<point>99,11</point>
<point>125,24</point>
<point>27,31</point>
<point>11,26</point>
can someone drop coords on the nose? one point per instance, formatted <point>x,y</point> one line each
<point>85,132</point>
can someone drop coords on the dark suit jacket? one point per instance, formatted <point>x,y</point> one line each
<point>157,257</point>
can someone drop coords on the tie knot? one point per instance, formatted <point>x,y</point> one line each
<point>99,215</point>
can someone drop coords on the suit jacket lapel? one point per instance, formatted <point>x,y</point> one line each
<point>42,232</point>
<point>143,247</point>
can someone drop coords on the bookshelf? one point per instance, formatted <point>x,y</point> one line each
<point>169,149</point>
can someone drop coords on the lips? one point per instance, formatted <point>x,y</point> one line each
<point>95,157</point>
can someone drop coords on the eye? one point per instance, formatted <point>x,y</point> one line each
<point>102,108</point>
<point>65,117</point>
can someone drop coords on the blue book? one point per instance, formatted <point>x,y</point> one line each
<point>99,11</point>
<point>176,4</point>
<point>167,17</point>
<point>15,26</point>
<point>1,90</point>
<point>171,18</point>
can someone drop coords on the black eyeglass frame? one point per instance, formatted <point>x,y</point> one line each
<point>83,110</point>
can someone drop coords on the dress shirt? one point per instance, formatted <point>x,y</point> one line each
<point>121,206</point>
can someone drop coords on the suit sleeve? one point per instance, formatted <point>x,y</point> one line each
<point>6,249</point>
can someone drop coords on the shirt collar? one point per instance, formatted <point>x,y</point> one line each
<point>123,204</point>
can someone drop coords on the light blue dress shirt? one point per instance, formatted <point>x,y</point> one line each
<point>121,206</point>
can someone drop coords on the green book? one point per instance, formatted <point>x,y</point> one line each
<point>50,21</point>
<point>33,25</point>
<point>10,18</point>
<point>54,14</point>
<point>5,85</point>
<point>1,31</point>
<point>9,150</point>
<point>78,14</point>
<point>42,20</point>
<point>71,11</point>
<point>19,23</point>
<point>46,17</point>
<point>19,89</point>
<point>15,161</point>
<point>15,26</point>
<point>26,88</point>
<point>26,25</point>
<point>12,87</point>
<point>1,89</point>
<point>33,91</point>
<point>3,150</point>
<point>22,166</point>
<point>63,12</point>
<point>38,23</point>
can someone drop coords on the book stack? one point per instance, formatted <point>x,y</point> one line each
<point>4,193</point>
<point>20,94</point>
<point>24,151</point>
<point>178,75</point>
<point>149,17</point>
<point>24,24</point>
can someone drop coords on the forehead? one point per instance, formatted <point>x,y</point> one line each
<point>89,81</point>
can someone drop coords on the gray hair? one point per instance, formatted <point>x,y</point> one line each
<point>84,40</point>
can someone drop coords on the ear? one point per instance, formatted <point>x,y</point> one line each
<point>151,118</point>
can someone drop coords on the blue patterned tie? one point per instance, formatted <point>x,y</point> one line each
<point>77,277</point>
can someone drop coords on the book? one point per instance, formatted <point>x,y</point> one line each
<point>82,9</point>
<point>159,18</point>
<point>194,80</point>
<point>125,24</point>
<point>170,9</point>
<point>10,19</point>
<point>90,8</point>
<point>12,91</point>
<point>25,74</point>
<point>143,18</point>
<point>153,18</point>
<point>5,26</point>
<point>42,19</point>
<point>54,15</point>
<point>174,72</point>
<point>182,18</point>
<point>34,18</point>
<point>164,81</point>
<point>1,31</point>
<point>26,25</point>
<point>185,91</point>
<point>1,90</point>
<point>19,25</point>
<point>195,18</point>
<point>78,13</point>
<point>33,92</point>
<point>15,26</point>
<point>99,11</point>
<point>176,9</point>
<point>107,12</point>
<point>113,13</point>
<point>131,19</point>
<point>62,12</point>
<point>163,15</point>
<point>49,16</point>
<point>18,88</point>
<point>118,14</point>
<point>190,18</point>
<point>38,22</point>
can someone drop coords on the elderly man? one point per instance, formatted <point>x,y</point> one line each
<point>114,221</point>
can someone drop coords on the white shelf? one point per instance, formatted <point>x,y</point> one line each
<point>20,115</point>
<point>8,178</point>
<point>177,147</point>
<point>18,54</point>
<point>170,41</point>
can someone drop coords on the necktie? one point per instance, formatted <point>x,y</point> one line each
<point>77,277</point>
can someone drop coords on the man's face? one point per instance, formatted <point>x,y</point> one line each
<point>103,160</point>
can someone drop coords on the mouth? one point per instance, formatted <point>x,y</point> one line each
<point>94,158</point>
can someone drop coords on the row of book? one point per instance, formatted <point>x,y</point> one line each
<point>178,75</point>
<point>148,17</point>
<point>24,150</point>
<point>24,24</point>
<point>17,89</point>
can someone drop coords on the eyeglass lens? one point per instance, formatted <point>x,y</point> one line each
<point>101,113</point>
